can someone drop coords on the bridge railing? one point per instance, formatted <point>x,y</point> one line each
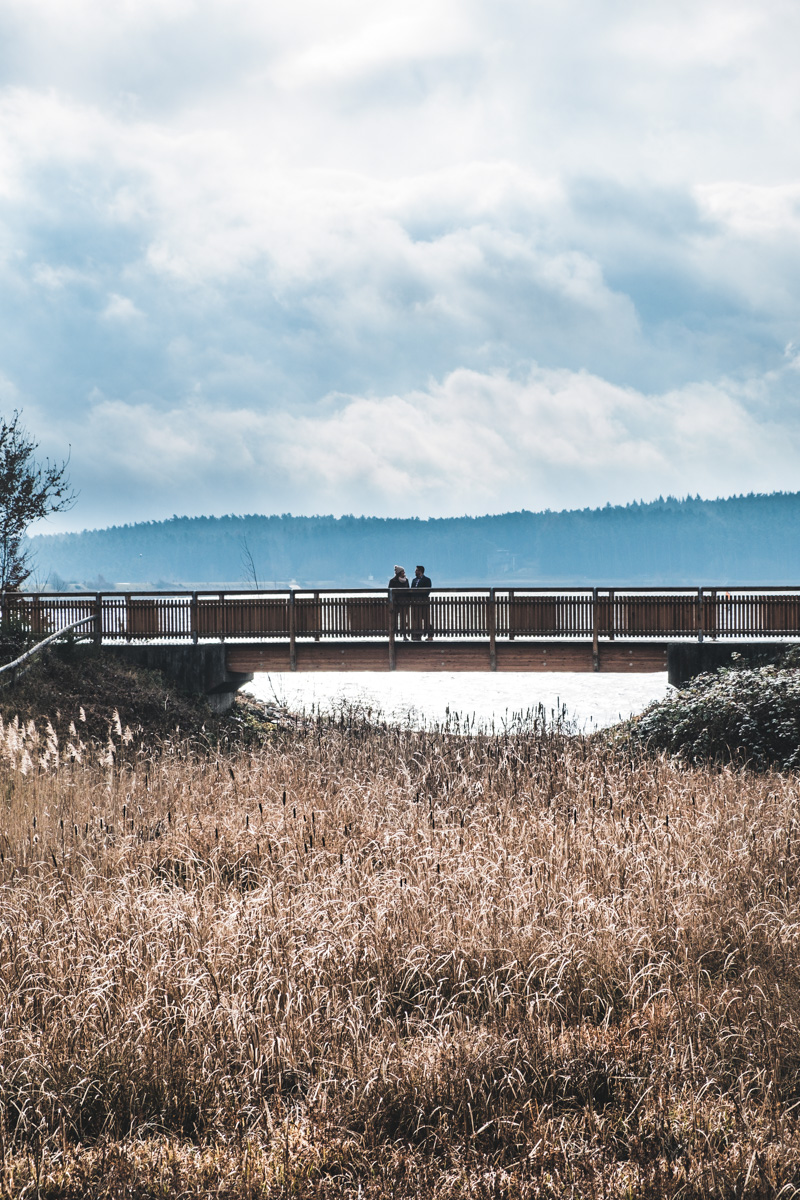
<point>446,612</point>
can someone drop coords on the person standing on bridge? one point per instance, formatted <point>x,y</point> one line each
<point>421,605</point>
<point>398,583</point>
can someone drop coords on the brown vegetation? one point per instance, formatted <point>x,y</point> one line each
<point>85,695</point>
<point>83,687</point>
<point>364,961</point>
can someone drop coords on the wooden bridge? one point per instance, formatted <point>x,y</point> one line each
<point>451,629</point>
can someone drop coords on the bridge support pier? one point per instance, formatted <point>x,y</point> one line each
<point>687,659</point>
<point>198,670</point>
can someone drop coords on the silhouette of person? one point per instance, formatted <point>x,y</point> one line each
<point>399,584</point>
<point>421,606</point>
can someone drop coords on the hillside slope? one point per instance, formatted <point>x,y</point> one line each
<point>745,539</point>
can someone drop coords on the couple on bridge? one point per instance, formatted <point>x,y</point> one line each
<point>411,611</point>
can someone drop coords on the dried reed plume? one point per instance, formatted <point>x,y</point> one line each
<point>367,961</point>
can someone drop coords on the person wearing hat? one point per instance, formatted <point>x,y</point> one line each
<point>397,584</point>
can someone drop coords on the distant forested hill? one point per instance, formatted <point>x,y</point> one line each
<point>745,539</point>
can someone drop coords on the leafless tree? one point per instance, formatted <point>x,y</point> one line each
<point>248,563</point>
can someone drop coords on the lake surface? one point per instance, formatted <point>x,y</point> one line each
<point>425,698</point>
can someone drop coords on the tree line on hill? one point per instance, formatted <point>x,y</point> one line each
<point>752,539</point>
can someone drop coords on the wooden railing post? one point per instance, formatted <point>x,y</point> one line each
<point>510,616</point>
<point>98,619</point>
<point>491,623</point>
<point>699,614</point>
<point>193,617</point>
<point>292,633</point>
<point>317,616</point>
<point>715,612</point>
<point>611,615</point>
<point>392,650</point>
<point>222,615</point>
<point>595,632</point>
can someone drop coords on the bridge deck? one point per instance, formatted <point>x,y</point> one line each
<point>626,657</point>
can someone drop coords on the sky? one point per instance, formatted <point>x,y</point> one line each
<point>350,256</point>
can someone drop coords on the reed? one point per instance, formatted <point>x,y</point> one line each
<point>364,960</point>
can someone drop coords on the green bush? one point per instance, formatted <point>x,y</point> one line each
<point>736,714</point>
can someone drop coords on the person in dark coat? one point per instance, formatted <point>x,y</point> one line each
<point>421,605</point>
<point>397,584</point>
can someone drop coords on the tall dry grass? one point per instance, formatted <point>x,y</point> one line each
<point>370,961</point>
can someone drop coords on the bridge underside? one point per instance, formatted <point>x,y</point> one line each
<point>620,656</point>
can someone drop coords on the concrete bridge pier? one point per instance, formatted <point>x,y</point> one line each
<point>687,659</point>
<point>198,670</point>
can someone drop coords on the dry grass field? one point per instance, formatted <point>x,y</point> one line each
<point>362,961</point>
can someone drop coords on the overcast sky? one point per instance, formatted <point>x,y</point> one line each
<point>424,259</point>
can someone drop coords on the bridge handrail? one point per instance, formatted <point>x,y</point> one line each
<point>554,588</point>
<point>506,611</point>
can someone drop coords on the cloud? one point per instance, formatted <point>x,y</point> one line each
<point>553,438</point>
<point>120,308</point>
<point>261,231</point>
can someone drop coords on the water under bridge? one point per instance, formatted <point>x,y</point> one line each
<point>680,630</point>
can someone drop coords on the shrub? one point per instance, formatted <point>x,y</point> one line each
<point>736,714</point>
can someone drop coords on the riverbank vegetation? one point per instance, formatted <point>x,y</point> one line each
<point>748,715</point>
<point>80,697</point>
<point>357,960</point>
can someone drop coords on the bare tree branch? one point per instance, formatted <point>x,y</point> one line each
<point>248,563</point>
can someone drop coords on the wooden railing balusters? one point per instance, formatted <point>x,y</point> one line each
<point>472,613</point>
<point>392,648</point>
<point>292,635</point>
<point>612,615</point>
<point>699,614</point>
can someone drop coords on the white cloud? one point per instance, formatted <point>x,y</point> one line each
<point>55,279</point>
<point>550,439</point>
<point>753,210</point>
<point>121,308</point>
<point>290,218</point>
